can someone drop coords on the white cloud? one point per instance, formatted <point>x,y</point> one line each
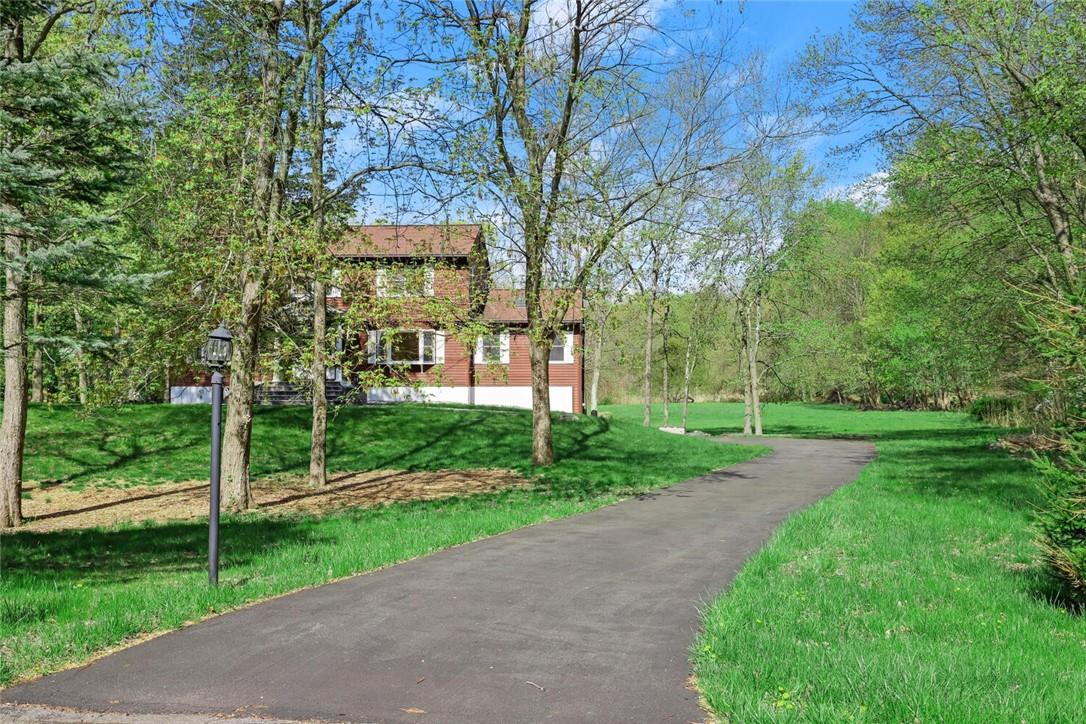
<point>872,192</point>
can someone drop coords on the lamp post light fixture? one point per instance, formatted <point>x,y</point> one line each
<point>216,355</point>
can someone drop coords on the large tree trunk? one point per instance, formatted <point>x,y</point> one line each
<point>1054,211</point>
<point>80,362</point>
<point>744,370</point>
<point>13,428</point>
<point>236,491</point>
<point>539,348</point>
<point>755,399</point>
<point>666,392</point>
<point>688,372</point>
<point>748,404</point>
<point>646,373</point>
<point>37,365</point>
<point>267,194</point>
<point>596,366</point>
<point>754,321</point>
<point>542,443</point>
<point>318,472</point>
<point>542,322</point>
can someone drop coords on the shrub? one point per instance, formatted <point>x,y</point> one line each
<point>1000,410</point>
<point>1062,521</point>
<point>1059,327</point>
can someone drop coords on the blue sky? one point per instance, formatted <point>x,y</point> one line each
<point>782,29</point>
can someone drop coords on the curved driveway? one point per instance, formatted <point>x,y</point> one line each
<point>585,619</point>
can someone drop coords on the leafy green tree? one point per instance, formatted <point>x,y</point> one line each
<point>64,146</point>
<point>222,216</point>
<point>982,101</point>
<point>932,332</point>
<point>819,299</point>
<point>570,121</point>
<point>772,193</point>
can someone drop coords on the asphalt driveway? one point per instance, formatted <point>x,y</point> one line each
<point>585,619</point>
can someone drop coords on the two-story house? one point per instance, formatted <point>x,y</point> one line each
<point>424,285</point>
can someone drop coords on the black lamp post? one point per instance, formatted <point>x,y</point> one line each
<point>216,355</point>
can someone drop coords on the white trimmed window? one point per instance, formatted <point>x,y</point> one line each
<point>492,349</point>
<point>334,290</point>
<point>406,346</point>
<point>405,282</point>
<point>336,373</point>
<point>562,348</point>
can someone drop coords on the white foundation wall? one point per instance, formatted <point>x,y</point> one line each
<point>459,395</point>
<point>191,395</point>
<point>498,396</point>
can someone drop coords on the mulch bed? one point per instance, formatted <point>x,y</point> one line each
<point>59,508</point>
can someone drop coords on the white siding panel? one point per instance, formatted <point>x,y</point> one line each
<point>190,395</point>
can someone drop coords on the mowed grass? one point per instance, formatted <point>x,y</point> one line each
<point>794,419</point>
<point>66,596</point>
<point>914,594</point>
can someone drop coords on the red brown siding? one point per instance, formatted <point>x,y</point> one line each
<point>461,292</point>
<point>456,371</point>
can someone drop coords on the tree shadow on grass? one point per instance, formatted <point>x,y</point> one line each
<point>592,458</point>
<point>784,431</point>
<point>446,441</point>
<point>117,555</point>
<point>820,433</point>
<point>91,445</point>
<point>628,462</point>
<point>169,444</point>
<point>475,438</point>
<point>962,467</point>
<point>1043,585</point>
<point>128,553</point>
<point>91,469</point>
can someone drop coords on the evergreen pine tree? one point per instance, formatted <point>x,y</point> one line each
<point>65,144</point>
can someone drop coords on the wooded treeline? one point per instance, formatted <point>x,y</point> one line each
<point>873,307</point>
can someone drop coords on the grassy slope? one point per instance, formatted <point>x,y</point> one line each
<point>913,594</point>
<point>66,595</point>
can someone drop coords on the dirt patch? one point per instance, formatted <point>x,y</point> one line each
<point>58,508</point>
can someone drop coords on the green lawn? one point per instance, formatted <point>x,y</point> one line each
<point>914,594</point>
<point>65,596</point>
<point>795,419</point>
